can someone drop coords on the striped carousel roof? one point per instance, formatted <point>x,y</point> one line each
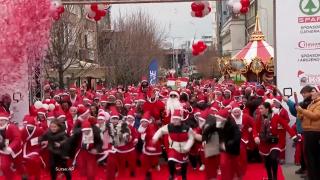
<point>256,48</point>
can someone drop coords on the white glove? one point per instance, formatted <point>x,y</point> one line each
<point>250,129</point>
<point>257,140</point>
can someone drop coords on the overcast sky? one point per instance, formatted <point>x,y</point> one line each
<point>175,17</point>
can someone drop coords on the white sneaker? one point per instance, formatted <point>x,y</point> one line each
<point>202,167</point>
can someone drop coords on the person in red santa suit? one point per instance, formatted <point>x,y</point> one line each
<point>10,148</point>
<point>91,145</point>
<point>74,98</point>
<point>283,113</point>
<point>246,125</point>
<point>229,139</point>
<point>122,142</point>
<point>173,102</point>
<point>181,139</point>
<point>197,151</point>
<point>151,151</point>
<point>154,105</point>
<point>31,148</point>
<point>266,135</point>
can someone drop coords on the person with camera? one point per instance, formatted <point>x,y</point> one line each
<point>266,135</point>
<point>310,119</point>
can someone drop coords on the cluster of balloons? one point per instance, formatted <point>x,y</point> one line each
<point>198,48</point>
<point>57,9</point>
<point>96,11</point>
<point>237,6</point>
<point>200,9</point>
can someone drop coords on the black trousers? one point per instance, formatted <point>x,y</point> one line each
<point>312,154</point>
<point>271,164</point>
<point>172,169</point>
<point>57,163</point>
<point>195,160</point>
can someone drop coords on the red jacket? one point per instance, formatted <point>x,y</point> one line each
<point>12,141</point>
<point>31,145</point>
<point>150,148</point>
<point>155,108</point>
<point>246,128</point>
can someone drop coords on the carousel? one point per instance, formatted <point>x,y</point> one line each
<point>254,61</point>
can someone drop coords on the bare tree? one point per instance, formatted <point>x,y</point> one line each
<point>207,64</point>
<point>67,37</point>
<point>130,47</point>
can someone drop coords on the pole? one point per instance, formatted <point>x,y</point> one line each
<point>128,1</point>
<point>275,59</point>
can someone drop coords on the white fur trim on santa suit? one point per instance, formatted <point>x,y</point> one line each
<point>220,117</point>
<point>130,116</point>
<point>145,120</point>
<point>83,114</point>
<point>4,118</point>
<point>174,93</point>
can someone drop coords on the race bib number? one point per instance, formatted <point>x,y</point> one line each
<point>34,141</point>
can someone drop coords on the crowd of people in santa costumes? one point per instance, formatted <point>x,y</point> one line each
<point>209,125</point>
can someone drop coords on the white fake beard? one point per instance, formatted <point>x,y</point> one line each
<point>172,104</point>
<point>4,126</point>
<point>87,139</point>
<point>130,123</point>
<point>141,129</point>
<point>275,110</point>
<point>220,124</point>
<point>201,123</point>
<point>237,120</point>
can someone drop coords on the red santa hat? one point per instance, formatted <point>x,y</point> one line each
<point>51,115</point>
<point>101,116</point>
<point>42,111</point>
<point>215,107</point>
<point>236,93</point>
<point>104,99</point>
<point>144,79</point>
<point>177,114</point>
<point>174,93</point>
<point>141,97</point>
<point>235,106</point>
<point>29,120</point>
<point>196,112</point>
<point>222,114</point>
<point>4,115</point>
<point>146,117</point>
<point>72,87</point>
<point>260,92</point>
<point>114,113</point>
<point>82,111</point>
<point>60,114</point>
<point>131,113</point>
<point>278,99</point>
<point>201,98</point>
<point>127,101</point>
<point>86,125</point>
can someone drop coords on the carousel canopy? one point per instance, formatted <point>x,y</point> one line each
<point>257,48</point>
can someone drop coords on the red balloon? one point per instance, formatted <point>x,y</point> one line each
<point>60,9</point>
<point>244,10</point>
<point>102,13</point>
<point>195,53</point>
<point>198,14</point>
<point>201,43</point>
<point>94,7</point>
<point>197,7</point>
<point>97,17</point>
<point>245,3</point>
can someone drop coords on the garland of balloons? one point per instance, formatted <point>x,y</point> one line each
<point>96,11</point>
<point>57,9</point>
<point>200,9</point>
<point>237,6</point>
<point>198,48</point>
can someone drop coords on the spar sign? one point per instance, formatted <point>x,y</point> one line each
<point>298,43</point>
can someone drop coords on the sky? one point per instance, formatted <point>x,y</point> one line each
<point>174,17</point>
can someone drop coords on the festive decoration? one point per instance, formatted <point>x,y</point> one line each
<point>256,56</point>
<point>198,48</point>
<point>200,9</point>
<point>25,27</point>
<point>96,11</point>
<point>237,6</point>
<point>57,9</point>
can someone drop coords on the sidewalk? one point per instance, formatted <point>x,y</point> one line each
<point>289,172</point>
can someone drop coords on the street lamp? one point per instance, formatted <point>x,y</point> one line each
<point>174,65</point>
